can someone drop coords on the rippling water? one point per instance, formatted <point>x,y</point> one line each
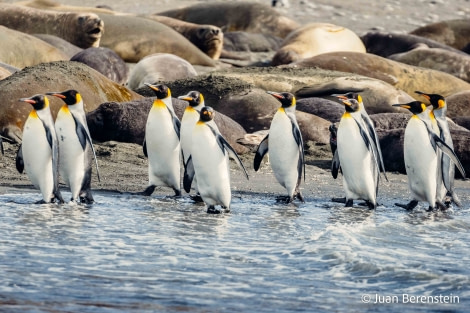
<point>135,254</point>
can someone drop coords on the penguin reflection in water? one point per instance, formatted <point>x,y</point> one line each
<point>75,146</point>
<point>209,163</point>
<point>421,145</point>
<point>162,143</point>
<point>286,149</point>
<point>358,153</point>
<point>39,151</point>
<point>445,183</point>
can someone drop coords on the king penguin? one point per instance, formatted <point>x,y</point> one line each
<point>358,153</point>
<point>286,149</point>
<point>446,186</point>
<point>190,117</point>
<point>162,142</point>
<point>209,163</point>
<point>40,151</point>
<point>75,146</point>
<point>421,156</point>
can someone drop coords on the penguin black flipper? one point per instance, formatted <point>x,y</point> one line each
<point>55,163</point>
<point>261,152</point>
<point>335,165</point>
<point>19,160</point>
<point>375,139</point>
<point>300,144</point>
<point>1,145</point>
<point>188,174</point>
<point>83,137</point>
<point>144,148</point>
<point>225,146</point>
<point>448,151</point>
<point>176,122</point>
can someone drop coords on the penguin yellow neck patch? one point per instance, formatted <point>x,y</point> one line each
<point>33,114</point>
<point>347,115</point>
<point>65,109</point>
<point>159,103</point>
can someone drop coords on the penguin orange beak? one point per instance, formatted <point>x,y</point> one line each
<point>152,86</point>
<point>423,94</point>
<point>30,101</point>
<point>341,97</point>
<point>56,94</point>
<point>275,94</point>
<point>405,106</point>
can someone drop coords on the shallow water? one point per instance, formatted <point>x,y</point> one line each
<point>136,254</point>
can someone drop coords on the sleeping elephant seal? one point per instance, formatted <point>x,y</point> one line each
<point>237,15</point>
<point>208,38</point>
<point>55,76</point>
<point>105,61</point>
<point>125,122</point>
<point>454,33</point>
<point>385,44</point>
<point>159,67</point>
<point>458,104</point>
<point>316,38</point>
<point>134,38</point>
<point>81,29</point>
<point>63,45</point>
<point>402,76</point>
<point>20,50</point>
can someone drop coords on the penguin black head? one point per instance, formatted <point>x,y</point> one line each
<point>351,105</point>
<point>349,96</point>
<point>193,97</point>
<point>70,97</point>
<point>415,107</point>
<point>161,91</point>
<point>286,98</point>
<point>207,114</point>
<point>437,101</point>
<point>38,102</point>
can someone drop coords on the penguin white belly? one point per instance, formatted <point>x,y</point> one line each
<point>283,152</point>
<point>37,157</point>
<point>71,154</point>
<point>163,149</point>
<point>211,168</point>
<point>356,162</point>
<point>420,162</point>
<point>190,118</point>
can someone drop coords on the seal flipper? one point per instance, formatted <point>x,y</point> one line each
<point>261,152</point>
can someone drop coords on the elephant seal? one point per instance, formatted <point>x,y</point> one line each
<point>54,76</point>
<point>134,38</point>
<point>234,16</point>
<point>324,108</point>
<point>454,33</point>
<point>81,29</point>
<point>251,42</point>
<point>6,70</point>
<point>105,61</point>
<point>385,44</point>
<point>463,121</point>
<point>455,64</point>
<point>316,38</point>
<point>402,76</point>
<point>208,38</point>
<point>458,104</point>
<point>159,67</point>
<point>20,50</point>
<point>309,82</point>
<point>125,122</point>
<point>66,47</point>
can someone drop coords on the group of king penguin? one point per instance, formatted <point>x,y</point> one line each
<point>66,147</point>
<point>62,147</point>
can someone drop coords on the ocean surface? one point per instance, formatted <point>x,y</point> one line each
<point>135,254</point>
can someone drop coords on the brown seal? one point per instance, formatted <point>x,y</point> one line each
<point>125,122</point>
<point>233,16</point>
<point>66,47</point>
<point>105,61</point>
<point>402,76</point>
<point>20,50</point>
<point>159,67</point>
<point>450,62</point>
<point>81,29</point>
<point>316,38</point>
<point>45,77</point>
<point>208,38</point>
<point>454,33</point>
